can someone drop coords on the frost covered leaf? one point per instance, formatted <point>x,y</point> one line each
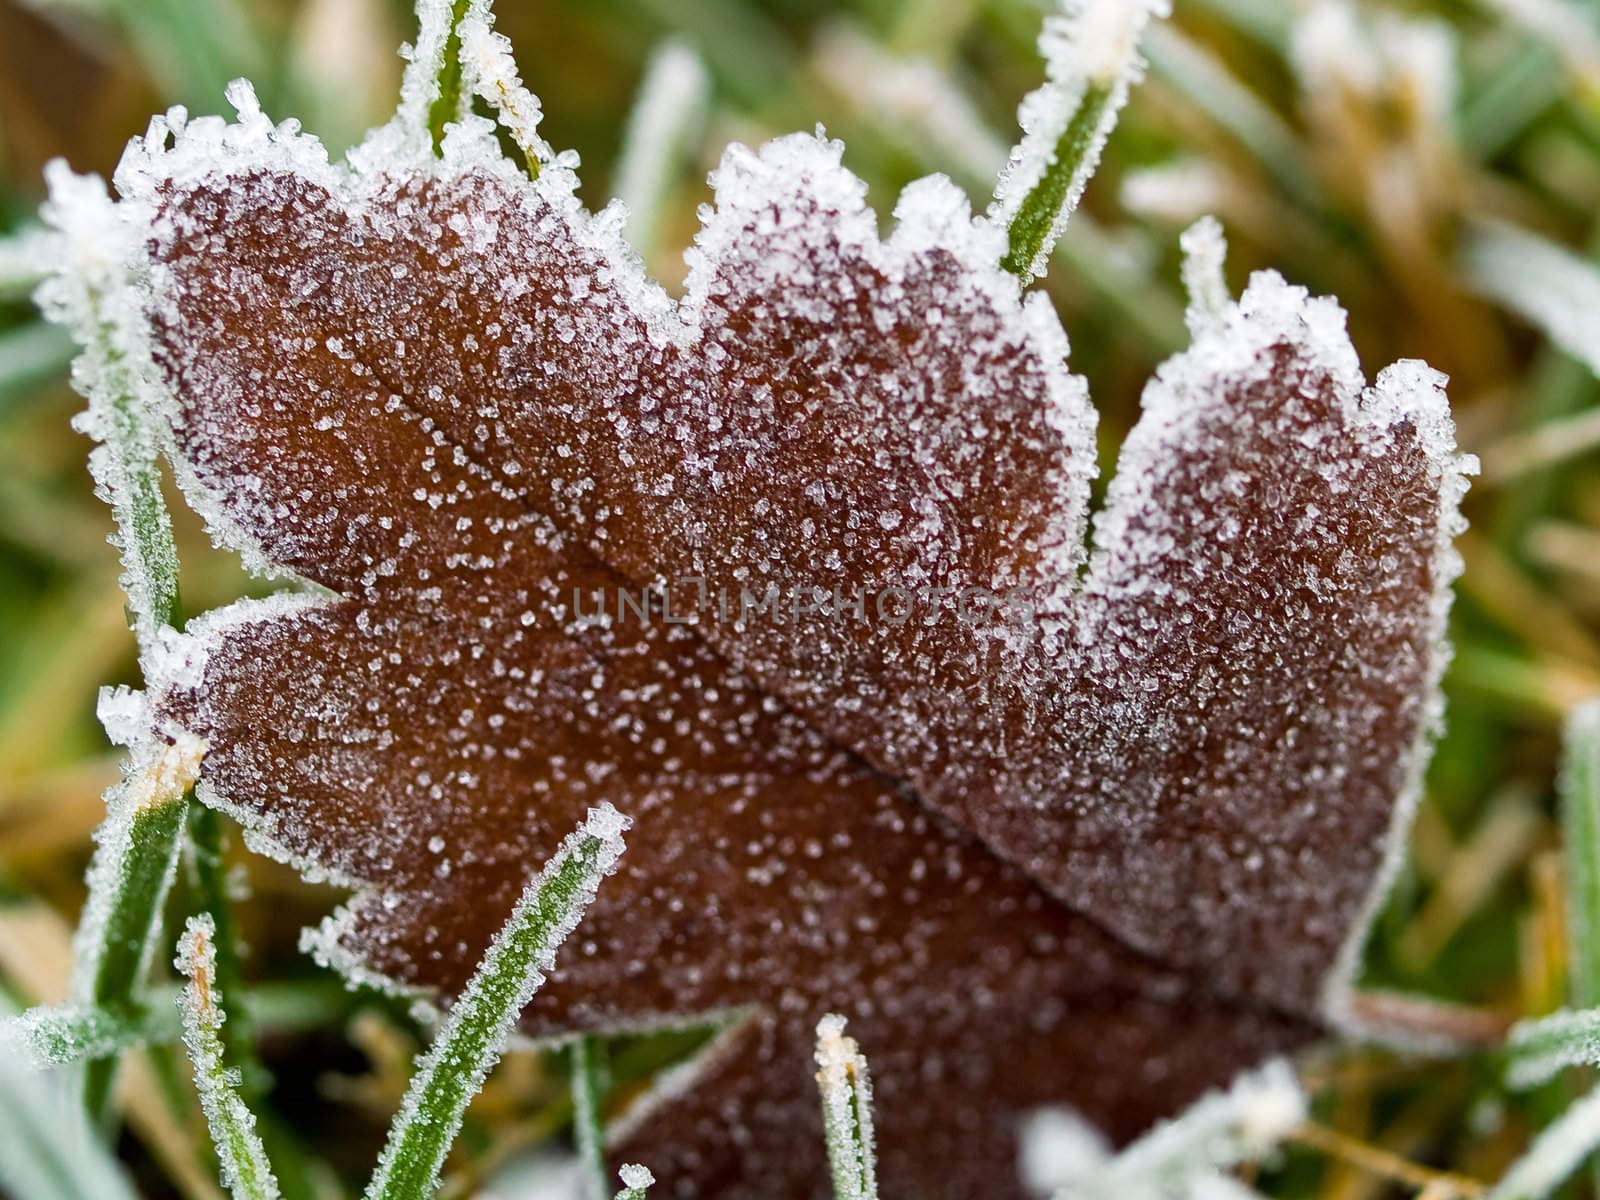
<point>1093,844</point>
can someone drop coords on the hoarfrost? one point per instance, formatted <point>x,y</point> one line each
<point>475,1031</point>
<point>48,1149</point>
<point>490,71</point>
<point>1538,1049</point>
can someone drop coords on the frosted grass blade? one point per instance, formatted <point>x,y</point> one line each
<point>1214,1133</point>
<point>47,1149</point>
<point>474,1033</point>
<point>846,1089</point>
<point>136,857</point>
<point>1091,62</point>
<point>1537,1050</point>
<point>663,123</point>
<point>245,1170</point>
<point>1545,284</point>
<point>1556,1153</point>
<point>587,1086</point>
<point>489,71</point>
<point>450,98</point>
<point>60,1035</point>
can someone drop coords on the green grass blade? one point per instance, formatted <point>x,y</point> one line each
<point>1547,285</point>
<point>1580,817</point>
<point>846,1089</point>
<point>1032,232</point>
<point>194,48</point>
<point>1212,88</point>
<point>474,1033</point>
<point>588,1088</point>
<point>245,1170</point>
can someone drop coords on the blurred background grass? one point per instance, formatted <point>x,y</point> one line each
<point>1351,147</point>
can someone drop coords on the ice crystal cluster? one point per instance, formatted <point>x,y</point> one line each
<point>1102,854</point>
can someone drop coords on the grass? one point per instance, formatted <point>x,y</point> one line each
<point>1368,192</point>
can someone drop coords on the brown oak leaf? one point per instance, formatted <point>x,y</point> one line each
<point>1048,827</point>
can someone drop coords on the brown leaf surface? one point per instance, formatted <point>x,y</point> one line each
<point>1104,856</point>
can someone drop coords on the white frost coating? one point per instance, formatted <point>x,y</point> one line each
<point>1205,253</point>
<point>1543,283</point>
<point>491,73</point>
<point>245,1171</point>
<point>1236,352</point>
<point>1218,1131</point>
<point>663,123</point>
<point>1089,46</point>
<point>1556,1153</point>
<point>478,1002</point>
<point>1537,1050</point>
<point>846,1111</point>
<point>1060,1150</point>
